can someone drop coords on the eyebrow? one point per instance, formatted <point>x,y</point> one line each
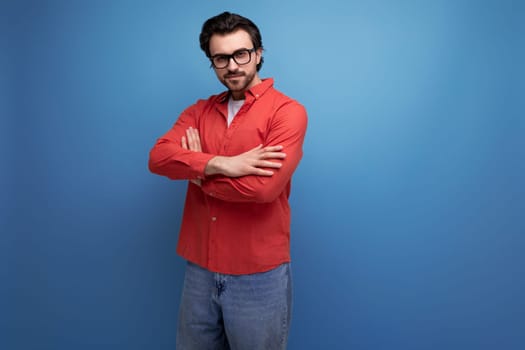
<point>229,54</point>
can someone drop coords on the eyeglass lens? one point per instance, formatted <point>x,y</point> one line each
<point>240,57</point>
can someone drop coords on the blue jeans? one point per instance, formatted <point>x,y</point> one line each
<point>235,312</point>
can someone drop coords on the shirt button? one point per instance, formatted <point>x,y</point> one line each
<point>213,218</point>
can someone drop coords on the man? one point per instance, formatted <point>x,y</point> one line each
<point>239,150</point>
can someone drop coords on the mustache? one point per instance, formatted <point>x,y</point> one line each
<point>234,74</point>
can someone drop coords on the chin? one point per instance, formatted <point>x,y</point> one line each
<point>236,87</point>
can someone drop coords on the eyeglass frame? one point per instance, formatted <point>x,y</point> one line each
<point>232,56</point>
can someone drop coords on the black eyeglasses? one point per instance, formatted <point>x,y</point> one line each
<point>241,57</point>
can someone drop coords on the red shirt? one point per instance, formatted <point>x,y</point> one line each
<point>235,225</point>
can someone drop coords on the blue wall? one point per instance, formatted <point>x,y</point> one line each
<point>408,223</point>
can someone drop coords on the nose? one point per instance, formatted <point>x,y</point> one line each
<point>232,64</point>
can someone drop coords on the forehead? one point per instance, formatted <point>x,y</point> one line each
<point>228,43</point>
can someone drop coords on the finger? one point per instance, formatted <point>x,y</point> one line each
<point>184,143</point>
<point>191,138</point>
<point>273,148</point>
<point>263,172</point>
<point>193,135</point>
<point>273,155</point>
<point>197,140</point>
<point>268,164</point>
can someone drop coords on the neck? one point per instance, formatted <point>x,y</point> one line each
<point>236,95</point>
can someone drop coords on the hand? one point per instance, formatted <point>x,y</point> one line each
<point>192,142</point>
<point>251,162</point>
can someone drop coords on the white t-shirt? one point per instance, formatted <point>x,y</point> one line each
<point>233,108</point>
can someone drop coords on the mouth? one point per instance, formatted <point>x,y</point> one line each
<point>233,76</point>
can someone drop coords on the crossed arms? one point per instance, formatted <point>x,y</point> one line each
<point>256,161</point>
<point>260,174</point>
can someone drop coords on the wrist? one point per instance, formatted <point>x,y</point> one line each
<point>214,166</point>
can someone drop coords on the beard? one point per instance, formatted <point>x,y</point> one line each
<point>237,81</point>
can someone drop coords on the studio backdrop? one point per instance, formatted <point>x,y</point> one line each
<point>407,208</point>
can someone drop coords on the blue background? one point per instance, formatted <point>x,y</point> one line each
<point>408,206</point>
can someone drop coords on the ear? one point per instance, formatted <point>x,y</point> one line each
<point>259,52</point>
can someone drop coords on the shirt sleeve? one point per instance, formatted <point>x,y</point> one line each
<point>168,158</point>
<point>288,128</point>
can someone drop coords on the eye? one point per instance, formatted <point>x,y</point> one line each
<point>241,54</point>
<point>220,59</point>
